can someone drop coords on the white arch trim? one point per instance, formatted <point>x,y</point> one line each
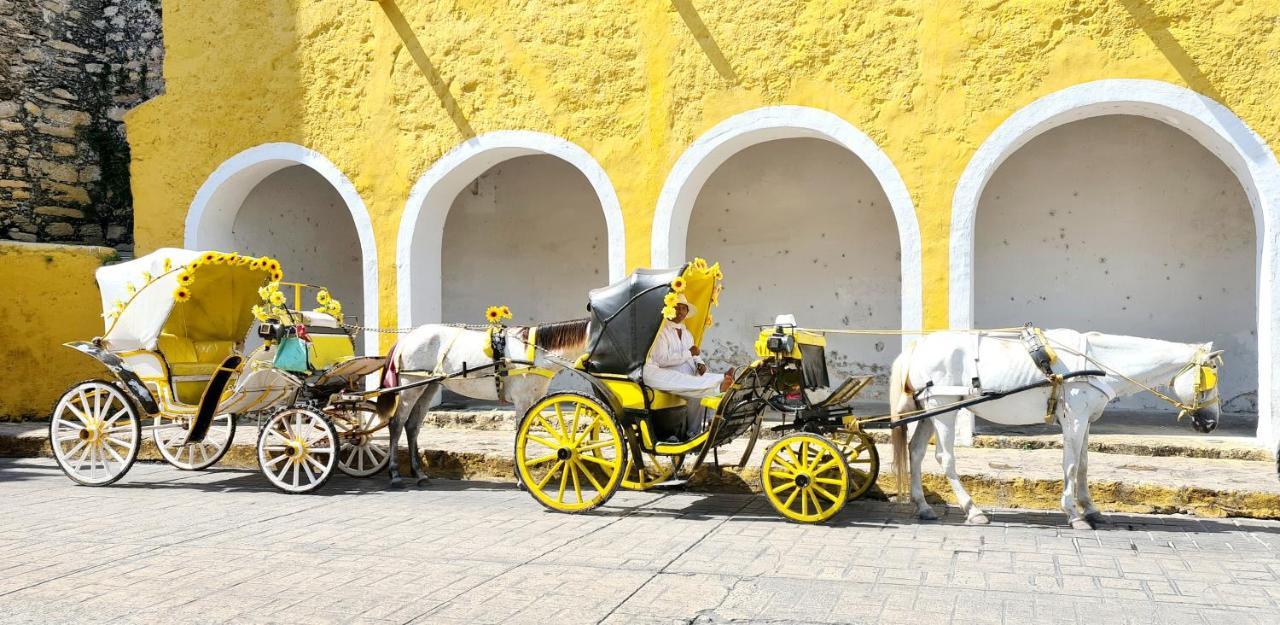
<point>711,150</point>
<point>1208,122</point>
<point>422,224</point>
<point>213,211</point>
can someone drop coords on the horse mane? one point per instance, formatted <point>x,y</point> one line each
<point>563,338</point>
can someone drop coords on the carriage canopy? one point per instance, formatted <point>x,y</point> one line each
<point>626,315</point>
<point>203,296</point>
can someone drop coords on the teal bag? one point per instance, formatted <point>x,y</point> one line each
<point>291,355</point>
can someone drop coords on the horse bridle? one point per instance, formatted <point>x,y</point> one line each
<point>1206,382</point>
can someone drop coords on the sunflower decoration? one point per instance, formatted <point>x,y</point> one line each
<point>186,277</point>
<point>259,312</point>
<point>328,304</point>
<point>670,299</point>
<point>323,297</point>
<point>276,298</point>
<point>710,320</point>
<point>167,266</point>
<point>495,314</point>
<point>209,257</point>
<point>182,295</point>
<point>277,275</point>
<point>255,264</point>
<point>130,289</point>
<point>678,284</point>
<point>669,312</point>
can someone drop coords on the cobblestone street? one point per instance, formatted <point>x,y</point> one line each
<point>165,546</point>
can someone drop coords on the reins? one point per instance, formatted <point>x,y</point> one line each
<point>1174,401</point>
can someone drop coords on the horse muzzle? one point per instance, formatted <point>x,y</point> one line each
<point>1204,420</point>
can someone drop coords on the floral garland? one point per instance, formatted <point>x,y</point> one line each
<point>495,314</point>
<point>187,276</point>
<point>274,303</point>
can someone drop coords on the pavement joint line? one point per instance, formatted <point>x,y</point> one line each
<point>676,557</point>
<point>629,512</point>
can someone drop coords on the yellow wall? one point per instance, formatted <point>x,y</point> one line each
<point>384,88</point>
<point>50,298</point>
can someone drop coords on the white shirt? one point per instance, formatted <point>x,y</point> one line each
<point>671,346</point>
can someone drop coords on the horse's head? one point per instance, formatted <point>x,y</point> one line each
<point>1196,387</point>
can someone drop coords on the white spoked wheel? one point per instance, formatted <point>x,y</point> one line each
<point>366,444</point>
<point>95,433</point>
<point>297,450</point>
<point>169,435</point>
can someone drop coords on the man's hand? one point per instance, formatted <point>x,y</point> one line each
<point>695,351</point>
<point>701,368</point>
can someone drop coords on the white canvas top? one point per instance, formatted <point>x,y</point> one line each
<point>139,324</point>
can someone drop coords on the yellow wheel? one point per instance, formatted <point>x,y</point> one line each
<point>657,469</point>
<point>864,463</point>
<point>805,477</point>
<point>570,452</point>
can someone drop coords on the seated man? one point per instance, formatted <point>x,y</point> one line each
<point>675,365</point>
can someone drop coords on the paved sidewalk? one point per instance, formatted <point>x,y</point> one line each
<point>221,547</point>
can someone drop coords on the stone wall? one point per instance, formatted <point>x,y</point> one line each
<point>69,69</point>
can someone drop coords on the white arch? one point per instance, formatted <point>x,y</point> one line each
<point>213,211</point>
<point>711,150</point>
<point>1208,122</point>
<point>422,223</point>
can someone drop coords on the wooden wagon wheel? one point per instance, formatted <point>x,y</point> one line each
<point>365,447</point>
<point>864,463</point>
<point>95,433</point>
<point>805,477</point>
<point>169,434</point>
<point>298,450</point>
<point>570,453</point>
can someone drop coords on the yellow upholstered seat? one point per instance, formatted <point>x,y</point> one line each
<point>630,395</point>
<point>191,363</point>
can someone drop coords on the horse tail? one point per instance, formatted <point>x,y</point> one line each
<point>900,401</point>
<point>387,402</point>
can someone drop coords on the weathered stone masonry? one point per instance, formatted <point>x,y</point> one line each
<point>69,69</point>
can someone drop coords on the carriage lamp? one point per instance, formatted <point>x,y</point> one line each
<point>780,342</point>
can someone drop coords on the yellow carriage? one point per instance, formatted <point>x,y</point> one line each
<point>176,325</point>
<point>601,427</point>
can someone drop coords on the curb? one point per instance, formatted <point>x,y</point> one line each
<point>1000,492</point>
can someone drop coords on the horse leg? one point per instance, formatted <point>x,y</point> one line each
<point>1083,499</point>
<point>414,426</point>
<point>919,444</point>
<point>946,425</point>
<point>1073,427</point>
<point>407,402</point>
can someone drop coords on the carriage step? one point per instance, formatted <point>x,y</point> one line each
<point>670,484</point>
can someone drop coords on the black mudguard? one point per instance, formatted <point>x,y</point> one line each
<point>132,384</point>
<point>211,397</point>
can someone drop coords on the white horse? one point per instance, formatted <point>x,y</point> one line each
<point>433,350</point>
<point>940,369</point>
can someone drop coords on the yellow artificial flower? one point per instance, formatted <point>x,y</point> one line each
<point>146,278</point>
<point>209,257</point>
<point>273,264</point>
<point>700,263</point>
<point>493,314</point>
<point>323,297</point>
<point>669,312</point>
<point>717,273</point>
<point>182,295</point>
<point>678,284</point>
<point>243,260</point>
<point>231,258</point>
<point>168,265</point>
<point>277,298</point>
<point>670,299</point>
<point>335,308</point>
<point>185,277</point>
<point>710,320</point>
<point>264,293</point>
<point>195,264</point>
<point>259,312</point>
<point>506,312</point>
<point>255,264</point>
<point>277,276</point>
<point>129,288</point>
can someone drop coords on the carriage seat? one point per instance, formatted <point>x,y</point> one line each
<point>191,363</point>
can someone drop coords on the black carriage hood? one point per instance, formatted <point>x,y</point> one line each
<point>625,318</point>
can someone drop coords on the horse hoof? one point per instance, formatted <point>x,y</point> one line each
<point>1095,518</point>
<point>928,515</point>
<point>424,481</point>
<point>979,519</point>
<point>397,482</point>
<point>1081,524</point>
